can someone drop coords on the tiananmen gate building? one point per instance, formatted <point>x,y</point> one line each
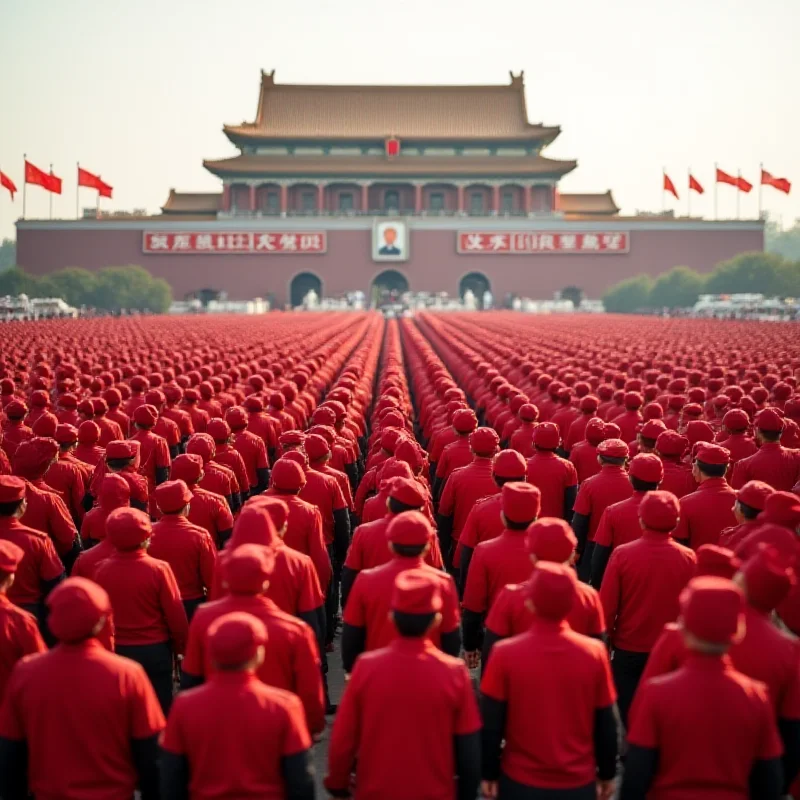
<point>430,188</point>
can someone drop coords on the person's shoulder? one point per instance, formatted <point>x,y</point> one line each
<point>586,645</point>
<point>587,592</point>
<point>294,626</point>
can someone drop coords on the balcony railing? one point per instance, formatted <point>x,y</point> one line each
<point>382,212</point>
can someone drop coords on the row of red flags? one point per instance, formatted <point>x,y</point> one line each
<point>52,183</point>
<point>743,185</point>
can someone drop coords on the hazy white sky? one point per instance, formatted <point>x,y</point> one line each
<point>138,91</point>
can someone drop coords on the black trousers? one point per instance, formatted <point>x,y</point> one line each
<point>332,598</point>
<point>511,790</point>
<point>627,668</point>
<point>190,606</point>
<point>156,659</point>
<point>585,564</point>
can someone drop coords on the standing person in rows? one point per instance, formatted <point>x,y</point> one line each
<point>735,436</point>
<point>773,463</point>
<point>113,399</point>
<point>251,448</point>
<point>548,540</point>
<point>408,724</point>
<point>227,455</point>
<point>186,547</point>
<point>149,617</point>
<point>15,431</point>
<point>102,740</point>
<point>750,502</point>
<point>610,485</point>
<point>521,439</point>
<point>458,453</point>
<point>705,729</point>
<point>293,661</point>
<point>154,458</point>
<point>498,562</point>
<point>547,702</point>
<point>366,615</point>
<point>555,477</point>
<point>165,427</point>
<point>640,591</point>
<point>216,478</point>
<point>583,455</point>
<point>678,479</point>
<point>235,735</point>
<point>706,512</point>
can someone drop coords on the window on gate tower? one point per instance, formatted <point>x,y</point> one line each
<point>346,201</point>
<point>508,202</point>
<point>308,201</point>
<point>476,205</point>
<point>273,203</point>
<point>391,200</point>
<point>437,202</point>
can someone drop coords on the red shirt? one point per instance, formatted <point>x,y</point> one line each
<point>677,478</point>
<point>145,598</point>
<point>210,511</point>
<point>341,479</point>
<point>140,494</point>
<point>116,415</point>
<point>40,562</point>
<point>229,457</point>
<point>495,564</point>
<point>370,601</point>
<point>198,417</point>
<point>234,731</point>
<point>103,702</point>
<point>552,475</point>
<point>46,512</point>
<point>397,718</point>
<point>483,523</point>
<point>88,561</point>
<point>370,547</point>
<point>68,482</point>
<point>620,522</point>
<point>110,431</point>
<point>323,492</point>
<point>563,419</point>
<point>189,550</point>
<point>510,615</point>
<point>576,431</point>
<point>773,464</point>
<point>709,724</point>
<point>730,537</point>
<point>456,454</point>
<point>550,672</point>
<point>584,458</point>
<point>168,430</point>
<point>463,489</point>
<point>90,454</point>
<point>19,636</point>
<point>253,452</point>
<point>610,485</point>
<point>217,478</point>
<point>181,418</point>
<point>740,446</point>
<point>291,659</point>
<point>153,454</point>
<point>641,587</point>
<point>266,428</point>
<point>706,513</point>
<point>629,422</point>
<point>522,439</point>
<point>13,435</point>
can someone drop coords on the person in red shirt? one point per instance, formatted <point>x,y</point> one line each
<point>149,618</point>
<point>228,456</point>
<point>267,428</point>
<point>304,532</point>
<point>554,476</point>
<point>217,478</point>
<point>583,455</point>
<point>735,435</point>
<point>640,591</point>
<point>552,540</point>
<point>19,633</point>
<point>706,512</point>
<point>79,721</point>
<point>66,410</point>
<point>678,478</point>
<point>366,616</point>
<point>565,413</point>
<point>547,702</point>
<point>235,736</point>
<point>610,485</point>
<point>138,386</point>
<point>15,431</point>
<point>521,439</point>
<point>706,730</point>
<point>109,429</point>
<point>173,394</point>
<point>113,399</point>
<point>293,661</point>
<point>207,509</point>
<point>67,438</point>
<point>186,547</point>
<point>750,502</point>
<point>773,463</point>
<point>408,723</point>
<point>114,493</point>
<point>88,450</point>
<point>647,436</point>
<point>498,562</point>
<point>154,458</point>
<point>577,430</point>
<point>630,419</point>
<point>67,479</point>
<point>252,450</point>
<point>465,486</point>
<point>165,427</point>
<point>458,453</point>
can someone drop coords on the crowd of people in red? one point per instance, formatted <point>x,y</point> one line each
<point>601,516</point>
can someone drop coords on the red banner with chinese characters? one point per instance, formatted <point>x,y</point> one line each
<point>522,243</point>
<point>235,242</point>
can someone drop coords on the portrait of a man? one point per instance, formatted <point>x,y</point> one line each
<point>390,241</point>
<point>389,247</point>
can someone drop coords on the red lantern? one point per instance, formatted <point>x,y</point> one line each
<point>392,147</point>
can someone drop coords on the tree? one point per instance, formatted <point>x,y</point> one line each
<point>74,285</point>
<point>15,281</point>
<point>762,273</point>
<point>678,288</point>
<point>573,293</point>
<point>8,254</point>
<point>131,288</point>
<point>629,295</point>
<point>160,296</point>
<point>783,243</point>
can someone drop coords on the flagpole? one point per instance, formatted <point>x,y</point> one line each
<point>51,196</point>
<point>738,193</point>
<point>760,186</point>
<point>689,195</point>
<point>24,184</point>
<point>663,189</point>
<point>715,191</point>
<point>77,193</point>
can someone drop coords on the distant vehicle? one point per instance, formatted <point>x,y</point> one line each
<point>21,307</point>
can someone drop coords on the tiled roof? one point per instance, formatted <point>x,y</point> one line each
<point>296,111</point>
<point>192,202</point>
<point>404,167</point>
<point>585,204</point>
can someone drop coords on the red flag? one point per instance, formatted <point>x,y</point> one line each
<point>781,184</point>
<point>41,178</point>
<point>743,185</point>
<point>723,177</point>
<point>669,186</point>
<point>7,183</point>
<point>694,185</point>
<point>86,178</point>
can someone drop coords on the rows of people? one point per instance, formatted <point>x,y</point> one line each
<point>606,526</point>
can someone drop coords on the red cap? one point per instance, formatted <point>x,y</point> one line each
<point>736,420</point>
<point>465,421</point>
<point>288,476</point>
<point>12,489</point>
<point>218,430</point>
<point>172,496</point>
<point>146,416</point>
<point>203,445</point>
<point>595,431</point>
<point>410,528</point>
<point>552,589</point>
<point>633,400</point>
<point>416,592</point>
<point>316,447</point>
<point>782,508</point>
<point>247,568</point>
<point>484,441</point>
<point>255,403</point>
<point>16,409</point>
<point>68,400</point>
<point>66,434</point>
<point>509,464</point>
<point>546,436</point>
<point>708,453</point>
<point>551,539</point>
<point>766,580</point>
<point>122,448</point>
<point>127,528</point>
<point>671,443</point>
<point>406,491</point>
<point>88,432</point>
<point>521,501</point>
<point>646,467</point>
<point>589,403</point>
<point>76,607</point>
<point>236,418</point>
<point>712,609</point>
<point>155,397</point>
<point>766,420</point>
<point>716,561</point>
<point>276,508</point>
<point>652,429</point>
<point>528,412</point>
<point>187,467</point>
<point>659,511</point>
<point>612,448</point>
<point>234,638</point>
<point>46,425</point>
<point>699,430</point>
<point>754,494</point>
<point>34,456</point>
<point>10,556</point>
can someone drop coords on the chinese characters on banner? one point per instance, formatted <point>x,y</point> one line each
<point>542,242</point>
<point>234,243</point>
